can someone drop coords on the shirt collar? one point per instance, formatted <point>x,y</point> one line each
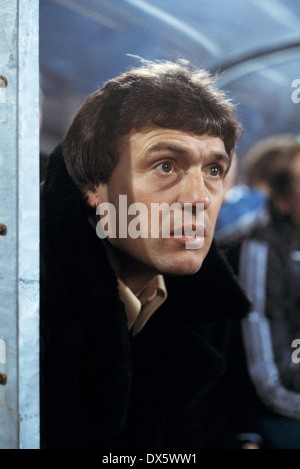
<point>139,308</point>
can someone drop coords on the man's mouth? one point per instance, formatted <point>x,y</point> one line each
<point>191,236</point>
<point>189,231</point>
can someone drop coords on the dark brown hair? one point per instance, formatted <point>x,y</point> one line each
<point>166,94</point>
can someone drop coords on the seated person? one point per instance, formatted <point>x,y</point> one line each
<point>137,330</point>
<point>267,261</point>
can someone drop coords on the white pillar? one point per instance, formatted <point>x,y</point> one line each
<point>19,224</point>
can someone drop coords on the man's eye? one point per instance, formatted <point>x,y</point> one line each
<point>215,171</point>
<point>165,167</point>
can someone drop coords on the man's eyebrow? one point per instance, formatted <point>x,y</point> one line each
<point>173,147</point>
<point>223,157</point>
<point>167,146</point>
<point>182,149</point>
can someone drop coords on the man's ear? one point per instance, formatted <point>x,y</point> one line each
<point>96,194</point>
<point>92,197</point>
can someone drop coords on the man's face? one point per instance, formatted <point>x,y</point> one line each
<point>156,166</point>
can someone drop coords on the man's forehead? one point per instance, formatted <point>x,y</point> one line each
<point>155,139</point>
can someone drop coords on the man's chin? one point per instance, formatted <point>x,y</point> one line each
<point>187,267</point>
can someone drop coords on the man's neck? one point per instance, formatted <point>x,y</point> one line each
<point>135,275</point>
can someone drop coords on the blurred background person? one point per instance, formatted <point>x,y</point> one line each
<point>267,261</point>
<point>245,196</point>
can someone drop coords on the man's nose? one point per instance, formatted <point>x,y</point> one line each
<point>194,190</point>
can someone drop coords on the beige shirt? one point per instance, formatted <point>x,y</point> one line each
<point>141,307</point>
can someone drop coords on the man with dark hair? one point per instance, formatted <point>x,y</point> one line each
<point>267,260</point>
<point>136,320</point>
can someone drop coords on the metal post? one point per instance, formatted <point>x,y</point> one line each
<point>19,224</point>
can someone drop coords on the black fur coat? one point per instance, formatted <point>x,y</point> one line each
<point>170,386</point>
